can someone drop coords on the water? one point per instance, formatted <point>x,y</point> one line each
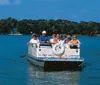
<point>16,70</point>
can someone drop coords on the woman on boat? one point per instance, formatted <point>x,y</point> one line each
<point>54,40</point>
<point>74,41</point>
<point>59,38</point>
<point>66,43</point>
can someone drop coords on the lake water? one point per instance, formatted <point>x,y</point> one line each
<point>16,70</point>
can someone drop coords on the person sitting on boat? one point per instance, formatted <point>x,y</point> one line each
<point>68,37</point>
<point>66,43</point>
<point>74,42</point>
<point>43,37</point>
<point>34,39</point>
<point>59,38</point>
<point>54,40</point>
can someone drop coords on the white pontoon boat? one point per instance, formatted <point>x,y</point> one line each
<point>55,56</point>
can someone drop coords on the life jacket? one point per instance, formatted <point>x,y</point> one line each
<point>74,41</point>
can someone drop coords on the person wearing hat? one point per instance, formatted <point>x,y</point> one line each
<point>34,39</point>
<point>43,37</point>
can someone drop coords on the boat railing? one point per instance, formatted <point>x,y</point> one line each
<point>49,45</point>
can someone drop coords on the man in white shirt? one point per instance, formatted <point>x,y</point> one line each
<point>34,39</point>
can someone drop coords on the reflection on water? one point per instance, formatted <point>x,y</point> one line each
<point>36,76</point>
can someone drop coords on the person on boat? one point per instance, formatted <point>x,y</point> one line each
<point>74,41</point>
<point>43,37</point>
<point>68,37</point>
<point>58,36</point>
<point>54,40</point>
<point>64,36</point>
<point>66,43</point>
<point>34,39</point>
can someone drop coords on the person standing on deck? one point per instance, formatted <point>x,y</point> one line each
<point>34,39</point>
<point>43,37</point>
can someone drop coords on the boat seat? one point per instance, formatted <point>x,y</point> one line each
<point>45,44</point>
<point>74,46</point>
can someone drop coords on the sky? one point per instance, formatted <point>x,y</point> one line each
<point>73,10</point>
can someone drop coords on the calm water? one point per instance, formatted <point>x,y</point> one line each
<point>16,70</point>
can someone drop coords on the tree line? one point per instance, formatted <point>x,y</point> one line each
<point>28,26</point>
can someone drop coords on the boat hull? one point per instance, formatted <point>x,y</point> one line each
<point>63,65</point>
<point>57,63</point>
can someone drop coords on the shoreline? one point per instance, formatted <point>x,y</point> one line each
<point>95,35</point>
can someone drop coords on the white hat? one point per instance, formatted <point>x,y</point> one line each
<point>44,32</point>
